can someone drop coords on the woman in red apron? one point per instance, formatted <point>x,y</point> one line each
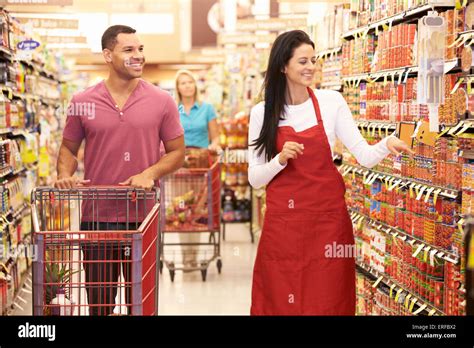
<point>306,211</point>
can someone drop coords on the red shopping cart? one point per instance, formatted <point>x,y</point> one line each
<point>190,204</point>
<point>96,251</point>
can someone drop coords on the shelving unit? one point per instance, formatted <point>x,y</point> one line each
<point>377,129</point>
<point>21,173</point>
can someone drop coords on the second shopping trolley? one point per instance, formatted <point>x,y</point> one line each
<point>190,204</point>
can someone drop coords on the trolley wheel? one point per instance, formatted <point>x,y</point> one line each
<point>172,270</point>
<point>204,272</point>
<point>219,266</point>
<point>161,266</point>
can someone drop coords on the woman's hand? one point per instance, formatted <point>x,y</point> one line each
<point>215,147</point>
<point>397,146</point>
<point>290,150</point>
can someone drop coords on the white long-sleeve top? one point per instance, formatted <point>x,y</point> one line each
<point>338,123</point>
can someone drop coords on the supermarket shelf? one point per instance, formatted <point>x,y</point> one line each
<point>42,71</point>
<point>396,19</point>
<point>372,175</point>
<point>330,70</point>
<point>419,306</point>
<point>28,96</point>
<point>328,52</point>
<point>16,131</point>
<point>463,126</point>
<point>365,124</point>
<point>5,51</point>
<point>331,85</point>
<point>407,238</point>
<point>469,154</point>
<point>398,74</point>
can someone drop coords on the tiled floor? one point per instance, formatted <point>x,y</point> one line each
<point>227,293</point>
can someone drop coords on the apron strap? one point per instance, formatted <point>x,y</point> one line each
<point>316,106</point>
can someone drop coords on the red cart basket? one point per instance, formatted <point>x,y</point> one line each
<point>190,203</point>
<point>97,251</point>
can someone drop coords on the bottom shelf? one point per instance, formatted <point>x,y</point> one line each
<point>398,293</point>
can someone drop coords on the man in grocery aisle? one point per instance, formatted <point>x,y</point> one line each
<point>122,120</point>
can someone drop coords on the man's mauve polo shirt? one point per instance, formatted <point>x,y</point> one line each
<point>120,143</point>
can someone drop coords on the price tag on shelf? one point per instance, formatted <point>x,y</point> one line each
<point>420,309</point>
<point>10,93</point>
<point>460,225</point>
<point>420,192</point>
<point>455,128</point>
<point>435,196</point>
<point>400,77</point>
<point>456,86</point>
<point>425,254</point>
<point>380,130</point>
<point>417,251</point>
<point>428,193</point>
<point>373,179</point>
<point>407,300</point>
<point>398,295</point>
<point>432,312</point>
<point>359,224</point>
<point>412,304</point>
<point>411,189</point>
<point>377,282</point>
<point>466,126</point>
<point>390,181</point>
<point>432,255</point>
<point>391,290</point>
<point>369,178</point>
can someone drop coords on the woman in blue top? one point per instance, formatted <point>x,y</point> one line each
<point>198,118</point>
<point>200,130</point>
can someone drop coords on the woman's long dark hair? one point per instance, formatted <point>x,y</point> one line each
<point>274,88</point>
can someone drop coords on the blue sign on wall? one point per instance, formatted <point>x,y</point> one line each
<point>28,45</point>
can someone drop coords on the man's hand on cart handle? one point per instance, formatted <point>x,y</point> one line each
<point>142,180</point>
<point>70,182</point>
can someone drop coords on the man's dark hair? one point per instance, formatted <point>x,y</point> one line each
<point>109,38</point>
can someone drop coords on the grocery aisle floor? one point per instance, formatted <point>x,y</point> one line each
<point>227,293</point>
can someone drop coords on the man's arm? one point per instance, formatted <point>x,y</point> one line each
<point>173,160</point>
<point>67,165</point>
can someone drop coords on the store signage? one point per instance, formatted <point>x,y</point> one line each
<point>28,45</point>
<point>65,39</point>
<point>272,24</point>
<point>37,2</point>
<point>239,39</point>
<point>51,23</point>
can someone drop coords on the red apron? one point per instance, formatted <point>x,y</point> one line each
<point>297,271</point>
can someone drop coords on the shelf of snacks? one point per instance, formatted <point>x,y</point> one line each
<point>366,18</point>
<point>31,110</point>
<point>426,196</point>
